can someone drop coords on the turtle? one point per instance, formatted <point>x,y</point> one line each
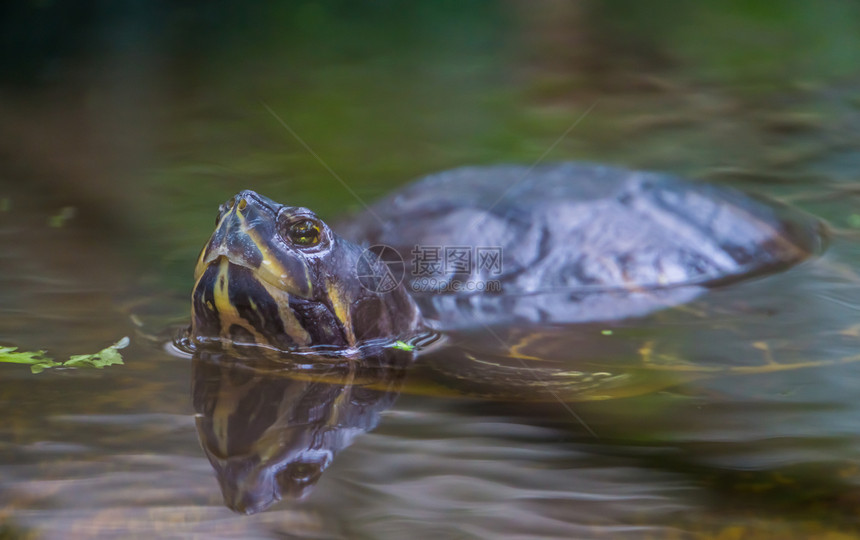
<point>567,243</point>
<point>302,331</point>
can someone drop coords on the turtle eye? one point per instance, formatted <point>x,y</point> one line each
<point>304,233</point>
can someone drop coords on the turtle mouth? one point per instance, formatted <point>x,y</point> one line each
<point>258,263</point>
<point>214,257</point>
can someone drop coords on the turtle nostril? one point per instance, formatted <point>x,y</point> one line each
<point>242,204</point>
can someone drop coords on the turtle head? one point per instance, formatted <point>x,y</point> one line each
<point>278,276</point>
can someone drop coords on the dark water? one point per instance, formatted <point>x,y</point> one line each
<point>124,128</point>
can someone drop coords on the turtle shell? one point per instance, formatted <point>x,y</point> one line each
<point>575,242</point>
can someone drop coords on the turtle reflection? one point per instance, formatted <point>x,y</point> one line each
<point>270,428</point>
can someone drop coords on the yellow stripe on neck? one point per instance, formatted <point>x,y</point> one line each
<point>290,323</point>
<point>340,304</point>
<point>227,312</point>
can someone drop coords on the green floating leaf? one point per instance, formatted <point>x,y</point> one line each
<point>38,362</point>
<point>36,359</point>
<point>11,355</point>
<point>108,356</point>
<point>402,345</point>
<point>42,366</point>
